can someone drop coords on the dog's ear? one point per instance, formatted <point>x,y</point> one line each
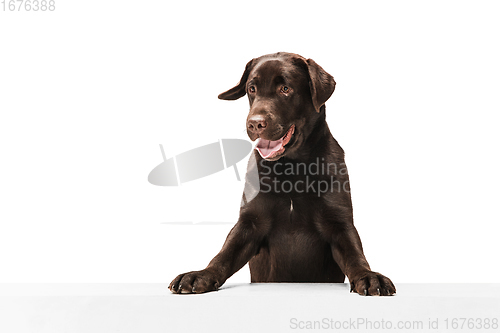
<point>321,84</point>
<point>240,89</point>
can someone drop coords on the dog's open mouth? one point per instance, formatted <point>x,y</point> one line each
<point>270,149</point>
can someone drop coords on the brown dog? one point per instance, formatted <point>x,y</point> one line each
<point>299,226</point>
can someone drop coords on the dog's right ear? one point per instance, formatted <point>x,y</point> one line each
<point>240,89</point>
<point>322,84</point>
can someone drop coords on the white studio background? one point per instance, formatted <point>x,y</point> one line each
<point>90,90</point>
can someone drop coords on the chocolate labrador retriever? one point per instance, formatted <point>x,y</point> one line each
<point>298,227</point>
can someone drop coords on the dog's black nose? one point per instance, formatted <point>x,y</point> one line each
<point>256,124</point>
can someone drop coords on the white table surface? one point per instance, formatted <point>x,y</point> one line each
<point>245,308</point>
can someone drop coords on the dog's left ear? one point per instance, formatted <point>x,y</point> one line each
<point>241,88</point>
<point>321,83</point>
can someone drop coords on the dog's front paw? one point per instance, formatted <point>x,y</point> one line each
<point>372,284</point>
<point>196,282</point>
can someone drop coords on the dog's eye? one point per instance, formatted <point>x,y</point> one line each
<point>252,89</point>
<point>285,89</point>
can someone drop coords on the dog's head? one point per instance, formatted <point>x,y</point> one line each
<point>287,94</point>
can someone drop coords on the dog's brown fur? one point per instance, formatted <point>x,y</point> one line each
<point>298,235</point>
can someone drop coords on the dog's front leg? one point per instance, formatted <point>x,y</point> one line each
<point>348,253</point>
<point>240,246</point>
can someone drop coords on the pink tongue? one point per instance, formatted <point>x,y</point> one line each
<point>266,147</point>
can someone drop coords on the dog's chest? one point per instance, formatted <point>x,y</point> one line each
<point>295,226</point>
<point>294,245</point>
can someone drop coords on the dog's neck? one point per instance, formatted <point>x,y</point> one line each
<point>318,135</point>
